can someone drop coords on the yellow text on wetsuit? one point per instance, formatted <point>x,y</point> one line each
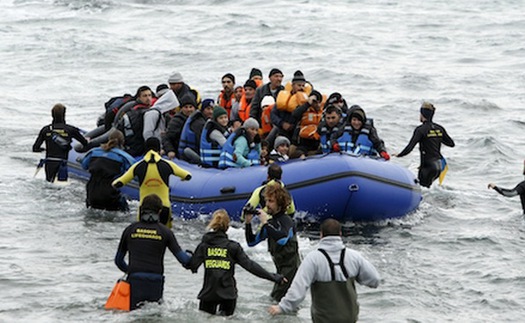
<point>146,234</point>
<point>435,133</point>
<point>217,263</point>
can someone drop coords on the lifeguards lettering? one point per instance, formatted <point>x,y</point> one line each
<point>435,133</point>
<point>146,234</point>
<point>213,263</point>
<point>217,252</point>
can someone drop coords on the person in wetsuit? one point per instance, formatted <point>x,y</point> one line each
<point>517,190</point>
<point>430,136</point>
<point>153,174</point>
<point>105,163</point>
<point>331,271</point>
<point>280,231</point>
<point>146,241</point>
<point>219,255</point>
<point>57,136</point>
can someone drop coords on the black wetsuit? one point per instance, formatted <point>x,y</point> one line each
<point>518,190</point>
<point>219,256</point>
<point>429,135</point>
<point>58,137</point>
<point>147,243</point>
<point>282,243</point>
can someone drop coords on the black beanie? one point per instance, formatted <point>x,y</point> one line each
<point>188,99</point>
<point>298,76</point>
<point>255,72</point>
<point>251,83</point>
<point>275,71</point>
<point>230,76</point>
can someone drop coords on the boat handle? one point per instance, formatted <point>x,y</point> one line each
<point>228,189</point>
<point>353,188</point>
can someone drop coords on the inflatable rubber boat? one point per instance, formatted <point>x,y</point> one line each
<point>340,186</point>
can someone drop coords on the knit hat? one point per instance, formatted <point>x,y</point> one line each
<point>359,114</point>
<point>280,140</point>
<point>255,72</point>
<point>218,111</point>
<point>427,110</point>
<point>176,78</point>
<point>230,76</point>
<point>187,99</point>
<point>250,123</point>
<point>161,89</point>
<point>334,97</point>
<point>250,83</point>
<point>275,71</point>
<point>298,76</point>
<point>207,103</point>
<point>267,100</point>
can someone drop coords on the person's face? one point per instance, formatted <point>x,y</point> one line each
<point>264,151</point>
<point>283,149</point>
<point>250,92</point>
<point>332,119</point>
<point>187,110</point>
<point>298,86</point>
<point>145,97</point>
<point>252,132</point>
<point>223,120</point>
<point>238,93</point>
<point>276,80</point>
<point>356,123</point>
<point>271,205</point>
<point>208,112</point>
<point>175,87</point>
<point>227,84</point>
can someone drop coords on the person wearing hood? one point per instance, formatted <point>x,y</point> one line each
<point>171,139</point>
<point>358,137</point>
<point>57,137</point>
<point>430,136</point>
<point>219,255</point>
<point>337,100</point>
<point>155,118</point>
<point>331,271</point>
<point>146,242</point>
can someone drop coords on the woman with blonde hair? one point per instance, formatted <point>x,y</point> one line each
<point>219,256</point>
<point>105,163</point>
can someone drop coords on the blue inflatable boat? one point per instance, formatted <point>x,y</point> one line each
<point>340,186</point>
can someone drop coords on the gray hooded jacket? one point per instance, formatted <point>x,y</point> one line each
<point>152,126</point>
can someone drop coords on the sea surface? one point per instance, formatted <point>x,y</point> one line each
<point>459,258</point>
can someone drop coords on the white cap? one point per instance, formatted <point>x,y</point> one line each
<point>267,100</point>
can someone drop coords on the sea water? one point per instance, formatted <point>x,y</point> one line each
<point>458,258</point>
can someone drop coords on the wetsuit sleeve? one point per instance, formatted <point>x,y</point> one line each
<point>506,192</point>
<point>126,177</point>
<point>37,146</point>
<point>198,258</point>
<point>281,230</point>
<point>301,283</point>
<point>75,133</point>
<point>446,140</point>
<point>178,171</point>
<point>175,249</point>
<point>121,253</point>
<point>251,266</point>
<point>254,239</point>
<point>290,209</point>
<point>416,137</point>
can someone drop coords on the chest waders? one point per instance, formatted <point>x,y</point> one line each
<point>334,301</point>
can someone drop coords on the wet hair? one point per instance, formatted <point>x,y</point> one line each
<point>275,171</point>
<point>142,89</point>
<point>220,221</point>
<point>58,112</point>
<point>116,139</point>
<point>150,208</point>
<point>330,227</point>
<point>281,195</point>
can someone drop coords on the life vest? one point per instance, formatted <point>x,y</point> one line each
<point>266,121</point>
<point>132,125</point>
<point>309,123</point>
<point>188,137</point>
<point>226,103</point>
<point>362,146</point>
<point>244,108</point>
<point>227,158</point>
<point>210,150</point>
<point>324,137</point>
<point>286,101</point>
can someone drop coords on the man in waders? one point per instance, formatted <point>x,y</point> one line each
<point>331,271</point>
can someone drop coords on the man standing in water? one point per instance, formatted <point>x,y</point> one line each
<point>518,190</point>
<point>331,271</point>
<point>429,135</point>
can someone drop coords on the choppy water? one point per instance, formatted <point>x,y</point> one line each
<point>459,258</point>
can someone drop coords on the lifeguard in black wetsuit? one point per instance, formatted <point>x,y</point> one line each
<point>57,136</point>
<point>146,241</point>
<point>430,136</point>
<point>517,190</point>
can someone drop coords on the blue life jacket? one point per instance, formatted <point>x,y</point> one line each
<point>226,159</point>
<point>362,146</point>
<point>188,137</point>
<point>115,154</point>
<point>210,150</point>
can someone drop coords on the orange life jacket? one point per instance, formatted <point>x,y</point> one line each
<point>266,122</point>
<point>226,103</point>
<point>244,108</point>
<point>286,101</point>
<point>309,122</point>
